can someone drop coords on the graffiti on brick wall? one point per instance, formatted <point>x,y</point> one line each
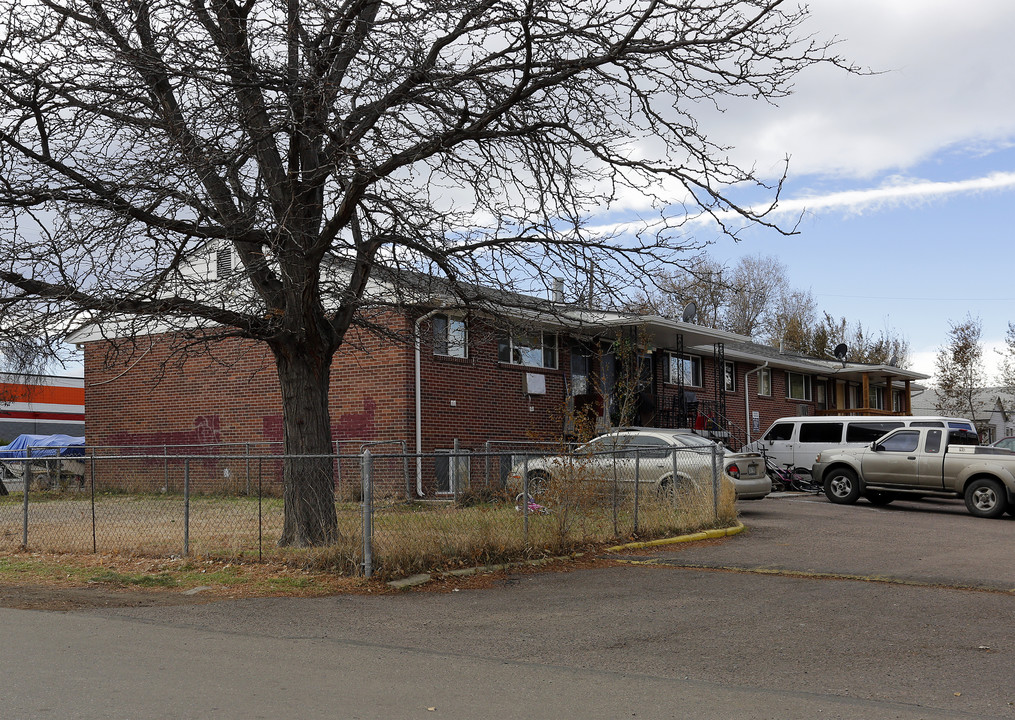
<point>348,426</point>
<point>207,430</point>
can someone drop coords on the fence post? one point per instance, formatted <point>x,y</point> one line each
<point>165,468</point>
<point>637,485</point>
<point>246,452</point>
<point>186,507</point>
<point>94,544</point>
<point>338,466</point>
<point>260,508</point>
<point>405,470</point>
<point>616,528</point>
<point>454,468</point>
<point>715,480</point>
<point>366,471</point>
<point>486,464</point>
<point>26,480</point>
<point>525,499</point>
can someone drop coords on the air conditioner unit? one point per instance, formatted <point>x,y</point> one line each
<point>534,384</point>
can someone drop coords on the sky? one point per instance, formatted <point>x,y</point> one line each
<point>904,180</point>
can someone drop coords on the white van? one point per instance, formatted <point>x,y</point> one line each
<point>798,440</point>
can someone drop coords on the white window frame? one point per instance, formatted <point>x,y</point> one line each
<point>807,386</point>
<point>765,382</point>
<point>729,375</point>
<point>516,354</point>
<point>455,341</point>
<point>674,361</point>
<point>876,397</point>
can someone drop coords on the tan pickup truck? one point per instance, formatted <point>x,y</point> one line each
<point>915,462</point>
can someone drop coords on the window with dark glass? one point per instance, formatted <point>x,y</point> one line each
<point>780,431</point>
<point>798,386</point>
<point>821,432</point>
<point>865,432</point>
<point>580,365</point>
<point>902,442</point>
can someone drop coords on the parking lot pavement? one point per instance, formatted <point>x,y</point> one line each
<point>665,639</point>
<point>929,541</point>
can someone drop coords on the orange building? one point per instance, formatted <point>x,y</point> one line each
<point>41,405</point>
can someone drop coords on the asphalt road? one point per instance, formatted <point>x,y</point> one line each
<point>816,611</point>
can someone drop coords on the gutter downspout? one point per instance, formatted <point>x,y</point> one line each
<point>419,401</point>
<point>747,399</point>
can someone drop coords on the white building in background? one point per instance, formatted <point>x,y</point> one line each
<point>995,411</point>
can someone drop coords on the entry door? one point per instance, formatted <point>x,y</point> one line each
<point>932,460</point>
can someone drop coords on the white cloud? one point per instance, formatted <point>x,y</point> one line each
<point>897,191</point>
<point>946,82</point>
<point>925,360</point>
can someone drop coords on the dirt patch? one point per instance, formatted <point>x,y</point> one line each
<point>48,597</point>
<point>67,582</point>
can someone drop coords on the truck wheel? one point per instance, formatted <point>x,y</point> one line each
<point>986,498</point>
<point>876,497</point>
<point>842,486</point>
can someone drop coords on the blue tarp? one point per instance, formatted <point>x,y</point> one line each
<point>44,446</point>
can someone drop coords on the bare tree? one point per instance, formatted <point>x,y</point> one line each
<point>960,373</point>
<point>793,321</point>
<point>863,346</point>
<point>757,284</point>
<point>701,280</point>
<point>340,147</point>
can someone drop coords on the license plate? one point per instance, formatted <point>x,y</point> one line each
<point>752,469</point>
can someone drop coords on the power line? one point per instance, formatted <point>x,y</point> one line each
<point>918,299</point>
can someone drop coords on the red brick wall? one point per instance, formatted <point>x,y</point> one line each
<point>232,396</point>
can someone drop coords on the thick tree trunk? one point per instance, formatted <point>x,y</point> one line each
<point>309,485</point>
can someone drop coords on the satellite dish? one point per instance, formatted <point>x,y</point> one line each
<point>690,312</point>
<point>840,352</point>
<point>894,362</point>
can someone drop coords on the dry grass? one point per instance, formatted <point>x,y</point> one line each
<point>407,537</point>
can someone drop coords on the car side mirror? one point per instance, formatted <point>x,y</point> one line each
<point>875,447</point>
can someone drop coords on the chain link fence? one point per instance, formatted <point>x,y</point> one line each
<point>397,512</point>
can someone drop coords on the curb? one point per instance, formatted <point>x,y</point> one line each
<point>704,535</point>
<point>422,578</point>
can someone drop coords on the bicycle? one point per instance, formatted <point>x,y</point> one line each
<point>534,508</point>
<point>789,478</point>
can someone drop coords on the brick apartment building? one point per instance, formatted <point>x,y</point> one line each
<point>457,381</point>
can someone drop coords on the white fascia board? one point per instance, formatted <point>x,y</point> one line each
<point>781,362</point>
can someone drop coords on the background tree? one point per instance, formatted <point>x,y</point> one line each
<point>356,154</point>
<point>1006,371</point>
<point>758,284</point>
<point>753,298</point>
<point>862,345</point>
<point>960,371</point>
<point>793,321</point>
